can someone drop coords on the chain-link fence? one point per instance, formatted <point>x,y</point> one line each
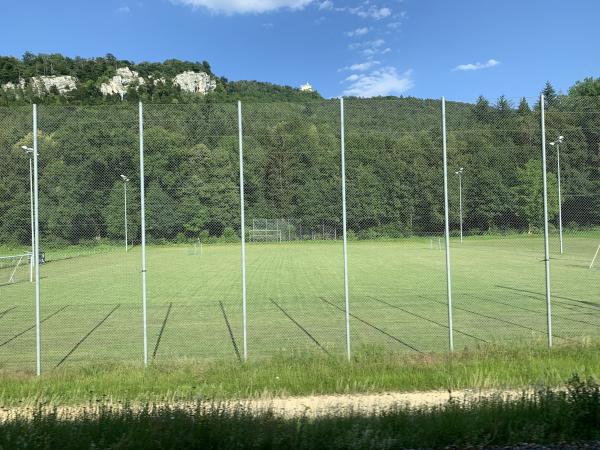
<point>196,266</point>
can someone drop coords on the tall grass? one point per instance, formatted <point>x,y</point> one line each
<point>371,370</point>
<point>546,417</point>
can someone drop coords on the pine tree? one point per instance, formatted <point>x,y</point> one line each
<point>550,94</point>
<point>523,108</point>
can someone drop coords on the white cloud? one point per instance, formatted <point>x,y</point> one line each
<point>372,12</point>
<point>245,6</point>
<point>327,4</point>
<point>477,66</point>
<point>123,10</point>
<point>358,32</point>
<point>385,81</point>
<point>360,67</point>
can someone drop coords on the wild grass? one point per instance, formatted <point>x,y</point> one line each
<point>547,417</point>
<point>372,370</point>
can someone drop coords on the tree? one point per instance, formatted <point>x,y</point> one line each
<point>114,212</point>
<point>589,87</point>
<point>524,108</point>
<point>528,195</point>
<point>161,218</point>
<point>550,95</point>
<point>483,110</point>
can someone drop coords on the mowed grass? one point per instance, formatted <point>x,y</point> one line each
<point>92,308</point>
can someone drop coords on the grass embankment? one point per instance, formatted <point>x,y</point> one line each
<point>547,417</point>
<point>371,370</point>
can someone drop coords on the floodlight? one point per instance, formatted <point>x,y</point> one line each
<point>26,149</point>
<point>552,143</point>
<point>124,178</point>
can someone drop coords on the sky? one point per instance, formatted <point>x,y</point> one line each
<point>459,49</point>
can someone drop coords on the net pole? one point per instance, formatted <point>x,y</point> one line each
<point>125,214</point>
<point>36,247</point>
<point>243,233</point>
<point>344,222</point>
<point>31,260</point>
<point>546,240</point>
<point>143,233</point>
<point>560,223</point>
<point>447,229</point>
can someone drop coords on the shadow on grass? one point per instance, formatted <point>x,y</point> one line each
<point>391,336</point>
<point>88,334</point>
<point>427,319</point>
<point>2,344</point>
<point>162,330</point>
<point>545,417</point>
<point>230,331</point>
<point>304,330</point>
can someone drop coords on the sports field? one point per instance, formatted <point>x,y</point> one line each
<point>91,305</point>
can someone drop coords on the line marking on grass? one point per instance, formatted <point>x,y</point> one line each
<point>310,336</point>
<point>231,335</point>
<point>374,327</point>
<point>506,321</point>
<point>87,335</point>
<point>6,311</point>
<point>427,319</point>
<point>33,326</point>
<point>162,330</point>
<point>532,310</point>
<point>595,306</point>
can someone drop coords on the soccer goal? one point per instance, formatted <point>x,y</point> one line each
<point>275,230</point>
<point>15,268</point>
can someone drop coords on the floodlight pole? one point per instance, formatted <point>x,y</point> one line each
<point>143,233</point>
<point>345,226</point>
<point>243,234</point>
<point>546,245</point>
<point>31,260</point>
<point>447,228</point>
<point>36,246</point>
<point>560,226</point>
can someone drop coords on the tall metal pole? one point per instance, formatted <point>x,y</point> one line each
<point>125,195</point>
<point>560,227</point>
<point>546,244</point>
<point>36,247</point>
<point>460,212</point>
<point>345,226</point>
<point>447,228</point>
<point>243,233</point>
<point>31,262</point>
<point>143,233</point>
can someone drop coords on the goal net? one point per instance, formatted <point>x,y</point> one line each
<point>275,230</point>
<point>15,268</point>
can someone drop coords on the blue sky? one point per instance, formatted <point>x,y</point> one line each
<point>423,48</point>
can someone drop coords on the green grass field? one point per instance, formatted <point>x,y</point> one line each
<point>91,305</point>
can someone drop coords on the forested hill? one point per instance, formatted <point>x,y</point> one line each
<point>292,156</point>
<point>79,81</point>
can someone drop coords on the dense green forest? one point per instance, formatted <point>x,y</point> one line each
<point>292,162</point>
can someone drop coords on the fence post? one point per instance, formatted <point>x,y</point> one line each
<point>143,232</point>
<point>546,244</point>
<point>447,228</point>
<point>344,225</point>
<point>36,245</point>
<point>243,233</point>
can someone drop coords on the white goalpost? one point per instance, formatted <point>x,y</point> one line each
<point>14,268</point>
<point>595,256</point>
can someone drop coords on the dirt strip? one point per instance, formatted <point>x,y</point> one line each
<point>288,407</point>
